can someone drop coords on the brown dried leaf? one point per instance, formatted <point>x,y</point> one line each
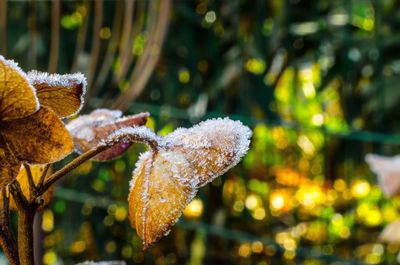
<point>18,97</point>
<point>166,179</point>
<point>39,139</point>
<point>63,94</point>
<point>88,131</point>
<point>157,196</point>
<point>212,147</point>
<point>9,165</point>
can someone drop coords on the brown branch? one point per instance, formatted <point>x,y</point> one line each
<point>148,60</point>
<point>111,49</point>
<point>125,51</point>
<point>152,142</point>
<point>32,186</point>
<point>70,166</point>
<point>98,21</point>
<point>81,38</point>
<point>42,178</point>
<point>3,26</point>
<point>7,239</point>
<point>26,214</point>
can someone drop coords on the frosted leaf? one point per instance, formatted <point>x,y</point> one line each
<point>157,197</point>
<point>66,80</point>
<point>18,97</point>
<point>222,141</point>
<point>90,131</point>
<point>64,94</point>
<point>133,134</point>
<point>167,178</point>
<point>391,233</point>
<point>388,172</point>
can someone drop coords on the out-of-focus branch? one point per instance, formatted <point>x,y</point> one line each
<point>111,49</point>
<point>81,38</point>
<point>125,52</point>
<point>148,60</point>
<point>55,36</point>
<point>3,27</point>
<point>98,20</point>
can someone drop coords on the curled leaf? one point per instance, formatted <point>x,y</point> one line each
<point>18,98</point>
<point>9,165</point>
<point>89,131</point>
<point>388,172</point>
<point>167,178</point>
<point>39,139</point>
<point>63,94</point>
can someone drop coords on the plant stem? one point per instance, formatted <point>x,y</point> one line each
<point>7,238</point>
<point>25,236</point>
<point>70,166</point>
<point>26,214</point>
<point>32,186</point>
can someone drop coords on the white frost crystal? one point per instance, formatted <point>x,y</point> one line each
<point>101,127</point>
<point>388,172</point>
<point>168,176</point>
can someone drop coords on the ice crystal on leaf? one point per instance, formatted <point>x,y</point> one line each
<point>388,172</point>
<point>90,131</point>
<point>64,94</point>
<point>168,176</point>
<point>31,129</point>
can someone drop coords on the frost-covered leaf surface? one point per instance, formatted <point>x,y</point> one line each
<point>38,139</point>
<point>90,131</point>
<point>388,172</point>
<point>18,97</point>
<point>28,131</point>
<point>64,94</point>
<point>166,179</point>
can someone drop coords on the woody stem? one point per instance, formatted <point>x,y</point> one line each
<point>152,143</point>
<point>26,214</point>
<point>7,239</point>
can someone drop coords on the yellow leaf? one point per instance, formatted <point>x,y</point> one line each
<point>63,94</point>
<point>39,139</point>
<point>18,97</point>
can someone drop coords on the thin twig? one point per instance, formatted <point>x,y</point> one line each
<point>151,142</point>
<point>18,195</point>
<point>42,178</point>
<point>70,166</point>
<point>32,185</point>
